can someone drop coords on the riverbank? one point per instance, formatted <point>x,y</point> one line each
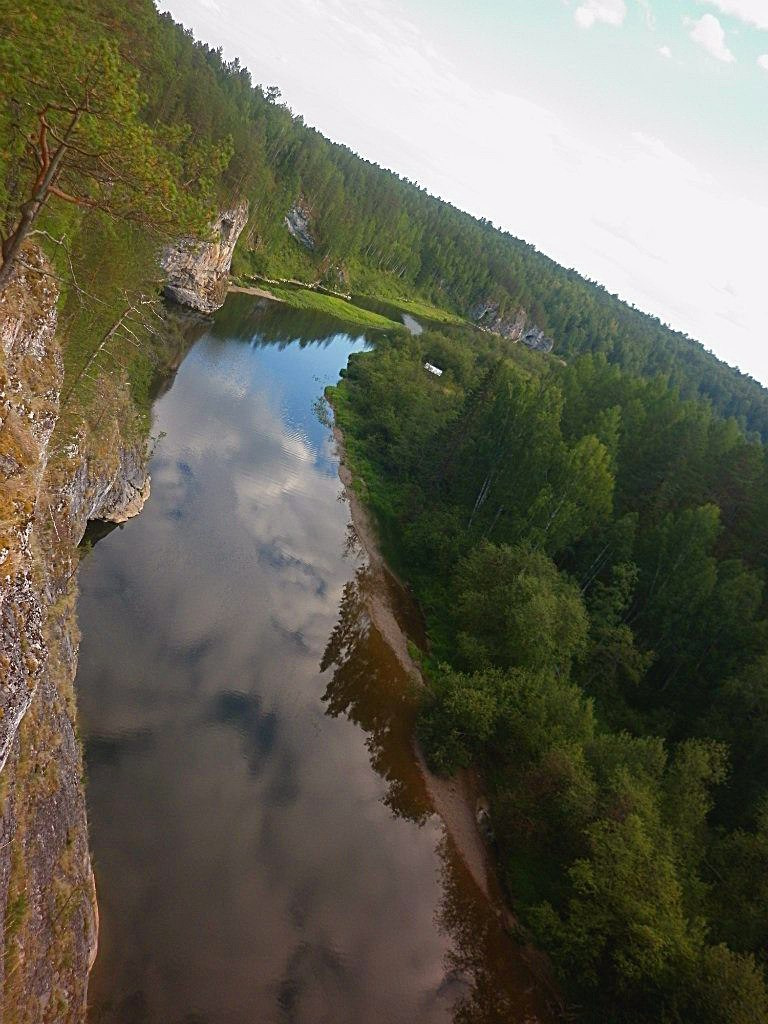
<point>458,801</point>
<point>454,800</point>
<point>314,301</point>
<point>259,293</point>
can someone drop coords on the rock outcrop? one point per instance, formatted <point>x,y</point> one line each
<point>536,339</point>
<point>486,314</point>
<point>197,270</point>
<point>30,380</point>
<point>298,221</point>
<point>48,492</point>
<point>513,326</point>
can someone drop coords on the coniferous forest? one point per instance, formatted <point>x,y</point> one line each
<point>586,533</point>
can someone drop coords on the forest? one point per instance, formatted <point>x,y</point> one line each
<point>589,548</point>
<point>586,535</point>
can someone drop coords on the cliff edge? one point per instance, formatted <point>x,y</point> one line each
<point>48,491</point>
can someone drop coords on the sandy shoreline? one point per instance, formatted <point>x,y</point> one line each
<point>455,800</point>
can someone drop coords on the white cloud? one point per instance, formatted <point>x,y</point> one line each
<point>650,17</point>
<point>665,51</point>
<point>753,12</point>
<point>610,12</point>
<point>710,35</point>
<point>762,60</point>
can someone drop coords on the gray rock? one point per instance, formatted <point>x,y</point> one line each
<point>47,502</point>
<point>44,855</point>
<point>27,327</point>
<point>513,326</point>
<point>536,339</point>
<point>486,315</point>
<point>197,270</point>
<point>298,222</point>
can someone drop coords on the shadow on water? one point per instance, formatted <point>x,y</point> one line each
<point>487,978</point>
<point>95,530</point>
<point>266,322</point>
<point>370,688</point>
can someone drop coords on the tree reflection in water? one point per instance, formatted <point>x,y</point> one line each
<point>489,978</point>
<point>370,687</point>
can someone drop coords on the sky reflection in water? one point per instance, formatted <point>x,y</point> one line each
<point>261,840</point>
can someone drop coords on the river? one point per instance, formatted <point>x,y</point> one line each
<point>262,840</point>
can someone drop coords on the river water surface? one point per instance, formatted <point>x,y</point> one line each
<point>263,845</point>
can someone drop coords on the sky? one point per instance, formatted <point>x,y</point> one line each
<point>625,138</point>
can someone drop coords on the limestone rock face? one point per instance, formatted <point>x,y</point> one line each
<point>48,492</point>
<point>298,221</point>
<point>515,327</point>
<point>198,270</point>
<point>486,314</point>
<point>30,380</point>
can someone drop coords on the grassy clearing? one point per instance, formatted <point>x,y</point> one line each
<point>282,256</point>
<point>302,298</point>
<point>419,308</point>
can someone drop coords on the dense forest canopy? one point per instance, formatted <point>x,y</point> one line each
<point>387,234</point>
<point>590,550</point>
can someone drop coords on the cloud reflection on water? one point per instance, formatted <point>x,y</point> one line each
<point>247,867</point>
<point>262,841</point>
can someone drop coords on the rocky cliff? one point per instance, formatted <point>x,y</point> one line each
<point>50,487</point>
<point>514,326</point>
<point>298,220</point>
<point>198,271</point>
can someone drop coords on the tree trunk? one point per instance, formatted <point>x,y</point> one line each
<point>30,210</point>
<point>13,243</point>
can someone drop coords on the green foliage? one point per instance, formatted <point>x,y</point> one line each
<point>738,715</point>
<point>460,720</point>
<point>514,608</point>
<point>72,120</point>
<point>738,865</point>
<point>303,298</point>
<point>727,988</point>
<point>588,541</point>
<point>624,923</point>
<point>589,549</point>
<point>416,307</point>
<point>507,716</point>
<point>379,233</point>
